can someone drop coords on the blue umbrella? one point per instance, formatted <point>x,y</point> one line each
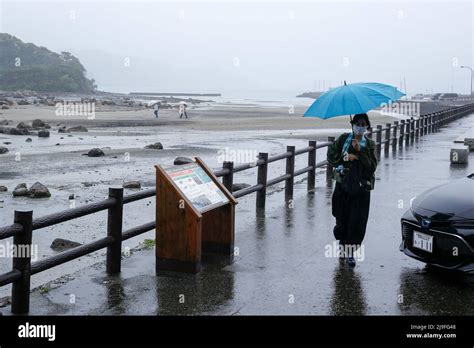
<point>354,98</point>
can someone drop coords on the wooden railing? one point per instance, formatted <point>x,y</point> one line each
<point>399,134</point>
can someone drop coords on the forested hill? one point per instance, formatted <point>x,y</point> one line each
<point>25,66</point>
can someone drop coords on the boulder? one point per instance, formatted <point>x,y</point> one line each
<point>60,244</point>
<point>4,107</point>
<point>3,188</point>
<point>22,125</point>
<point>95,152</point>
<point>43,133</point>
<point>62,129</point>
<point>38,190</point>
<point>16,131</point>
<point>77,129</point>
<point>19,186</point>
<point>182,160</point>
<point>38,123</point>
<point>155,146</point>
<point>132,185</point>
<point>239,186</point>
<point>28,140</point>
<point>4,122</point>
<point>3,149</point>
<point>20,190</point>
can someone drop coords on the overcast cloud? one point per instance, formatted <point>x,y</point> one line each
<point>217,46</point>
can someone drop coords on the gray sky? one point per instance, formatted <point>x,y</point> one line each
<point>219,46</point>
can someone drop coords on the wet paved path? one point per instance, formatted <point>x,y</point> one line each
<point>282,267</point>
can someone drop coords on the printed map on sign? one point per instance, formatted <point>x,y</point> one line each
<point>198,187</point>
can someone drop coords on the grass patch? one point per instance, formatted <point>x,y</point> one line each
<point>148,243</point>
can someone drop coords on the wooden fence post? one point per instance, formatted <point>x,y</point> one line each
<point>290,169</point>
<point>228,179</point>
<point>402,132</point>
<point>386,145</point>
<point>407,132</point>
<point>328,165</point>
<point>114,230</point>
<point>262,179</point>
<point>395,135</point>
<point>22,262</point>
<point>378,138</point>
<point>312,163</point>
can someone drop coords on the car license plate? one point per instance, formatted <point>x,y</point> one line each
<point>423,241</point>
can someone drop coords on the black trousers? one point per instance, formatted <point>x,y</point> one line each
<point>351,213</point>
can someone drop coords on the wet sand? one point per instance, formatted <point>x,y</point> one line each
<point>219,118</point>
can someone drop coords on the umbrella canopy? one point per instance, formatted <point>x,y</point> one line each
<point>354,98</point>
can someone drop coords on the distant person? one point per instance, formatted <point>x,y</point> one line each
<point>352,156</point>
<point>182,110</point>
<point>157,108</point>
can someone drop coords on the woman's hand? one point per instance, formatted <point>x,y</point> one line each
<point>356,144</point>
<point>352,157</point>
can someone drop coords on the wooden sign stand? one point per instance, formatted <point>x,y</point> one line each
<point>183,232</point>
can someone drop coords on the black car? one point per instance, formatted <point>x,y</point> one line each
<point>439,227</point>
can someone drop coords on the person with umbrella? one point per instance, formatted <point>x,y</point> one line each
<point>156,109</point>
<point>352,155</point>
<point>182,110</point>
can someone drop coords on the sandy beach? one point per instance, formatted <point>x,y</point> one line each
<point>218,118</point>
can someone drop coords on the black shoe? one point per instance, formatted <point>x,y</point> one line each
<point>351,261</point>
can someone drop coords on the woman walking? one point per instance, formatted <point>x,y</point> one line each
<point>352,156</point>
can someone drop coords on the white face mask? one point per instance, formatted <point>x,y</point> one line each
<point>359,130</point>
